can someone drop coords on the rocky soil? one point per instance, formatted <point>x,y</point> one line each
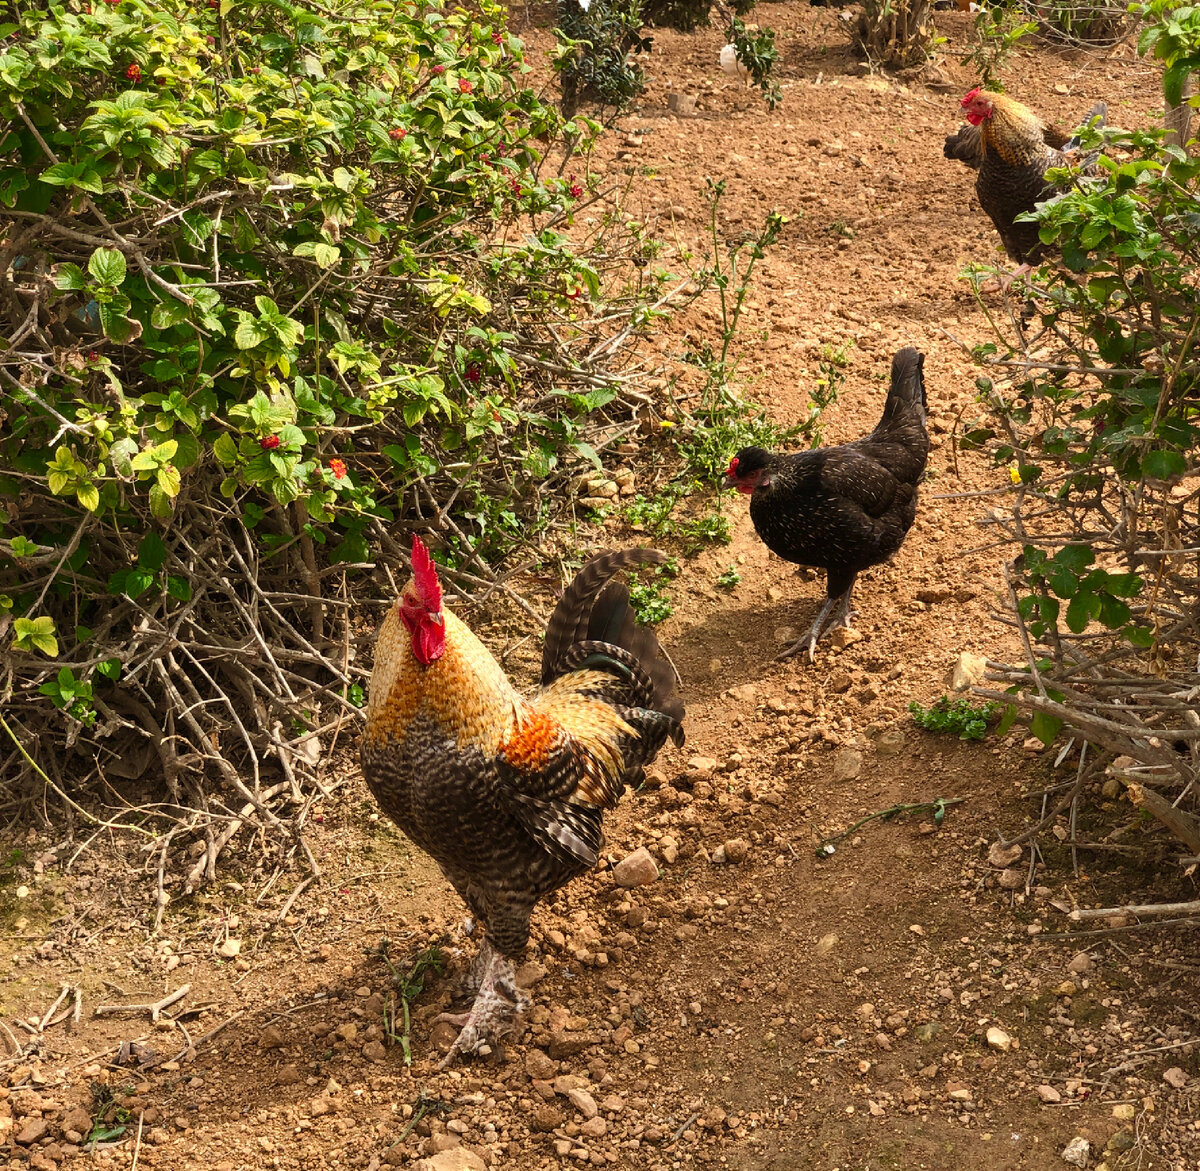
<point>728,996</point>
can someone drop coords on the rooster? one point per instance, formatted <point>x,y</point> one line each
<point>842,509</point>
<point>506,793</point>
<point>1011,148</point>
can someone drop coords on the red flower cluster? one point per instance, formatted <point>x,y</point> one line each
<point>397,133</point>
<point>575,190</point>
<point>338,468</point>
<point>464,86</point>
<point>270,443</point>
<point>472,373</point>
<point>514,185</point>
<point>502,148</point>
<point>497,38</point>
<point>438,70</point>
<point>134,72</point>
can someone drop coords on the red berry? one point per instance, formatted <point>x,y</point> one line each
<point>269,443</point>
<point>397,133</point>
<point>472,374</point>
<point>438,70</point>
<point>134,72</point>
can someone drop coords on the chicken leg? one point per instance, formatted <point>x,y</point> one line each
<point>496,1004</point>
<point>809,641</point>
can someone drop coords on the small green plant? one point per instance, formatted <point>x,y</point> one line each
<point>650,602</point>
<point>998,32</point>
<point>729,579</point>
<point>757,54</point>
<point>409,984</point>
<point>957,717</point>
<point>74,696</point>
<point>109,1120</point>
<point>832,367</point>
<point>710,529</point>
<point>653,513</point>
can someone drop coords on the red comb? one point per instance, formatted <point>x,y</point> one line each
<point>733,465</point>
<point>425,576</point>
<point>971,96</point>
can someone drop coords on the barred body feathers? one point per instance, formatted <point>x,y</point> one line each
<point>507,793</point>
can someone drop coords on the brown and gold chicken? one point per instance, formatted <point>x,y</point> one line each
<point>1011,148</point>
<point>506,793</point>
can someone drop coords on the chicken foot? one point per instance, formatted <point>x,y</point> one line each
<point>819,627</point>
<point>496,1003</point>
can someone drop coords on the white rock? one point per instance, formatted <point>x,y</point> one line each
<point>638,869</point>
<point>1048,1094</point>
<point>999,1039</point>
<point>455,1159</point>
<point>1001,856</point>
<point>1175,1077</point>
<point>583,1102</point>
<point>229,949</point>
<point>966,672</point>
<point>1077,1151</point>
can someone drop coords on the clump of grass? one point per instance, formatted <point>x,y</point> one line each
<point>409,984</point>
<point>729,579</point>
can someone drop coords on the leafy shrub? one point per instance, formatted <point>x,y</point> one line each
<point>274,280</point>
<point>757,54</point>
<point>897,34</point>
<point>688,15</point>
<point>1096,387</point>
<point>597,54</point>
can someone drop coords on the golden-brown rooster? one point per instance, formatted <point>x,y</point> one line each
<point>506,793</point>
<point>1011,148</point>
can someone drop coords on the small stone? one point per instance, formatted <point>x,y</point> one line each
<point>966,672</point>
<point>229,949</point>
<point>530,973</point>
<point>839,682</point>
<point>289,1075</point>
<point>1012,879</point>
<point>22,893</point>
<point>539,1066</point>
<point>613,1104</point>
<point>1048,1094</point>
<point>1111,789</point>
<point>1080,964</point>
<point>638,869</point>
<point>1175,1077</point>
<point>1077,1152</point>
<point>682,105</point>
<point>737,850</point>
<point>374,1051</point>
<point>1066,988</point>
<point>847,764</point>
<point>746,692</point>
<point>1124,1111</point>
<point>926,1032</point>
<point>999,1039</point>
<point>270,1038</point>
<point>34,1131</point>
<point>456,1159</point>
<point>844,636</point>
<point>546,1118</point>
<point>1002,856</point>
<point>583,1102</point>
<point>1033,744</point>
<point>890,742</point>
<point>962,1094</point>
<point>826,944</point>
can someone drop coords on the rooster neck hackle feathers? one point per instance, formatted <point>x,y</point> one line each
<point>1014,132</point>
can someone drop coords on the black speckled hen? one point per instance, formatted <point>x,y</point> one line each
<point>842,509</point>
<point>506,793</point>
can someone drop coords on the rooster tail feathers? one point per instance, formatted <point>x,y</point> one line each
<point>907,390</point>
<point>586,605</point>
<point>594,626</point>
<point>1099,110</point>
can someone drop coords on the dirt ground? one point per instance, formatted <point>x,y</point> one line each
<point>889,1006</point>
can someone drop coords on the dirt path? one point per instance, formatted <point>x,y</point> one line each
<point>757,1007</point>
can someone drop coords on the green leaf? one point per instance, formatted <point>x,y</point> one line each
<point>107,265</point>
<point>23,547</point>
<point>225,449</point>
<point>35,634</point>
<point>1162,465</point>
<point>161,505</point>
<point>69,277</point>
<point>151,552</point>
<point>1080,611</point>
<point>1045,727</point>
<point>179,588</point>
<point>1076,557</point>
<point>88,495</point>
<point>1007,720</point>
<point>110,669</point>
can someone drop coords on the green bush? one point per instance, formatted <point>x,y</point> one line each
<point>273,279</point>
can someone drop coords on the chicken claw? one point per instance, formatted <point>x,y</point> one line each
<point>819,627</point>
<point>497,1002</point>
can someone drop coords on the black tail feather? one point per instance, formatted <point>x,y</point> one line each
<point>595,610</point>
<point>906,402</point>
